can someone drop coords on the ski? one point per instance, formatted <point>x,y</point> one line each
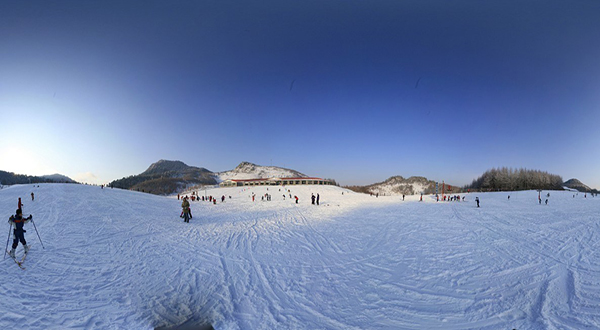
<point>19,263</point>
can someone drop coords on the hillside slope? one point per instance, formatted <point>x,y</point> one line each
<point>166,177</point>
<point>246,170</point>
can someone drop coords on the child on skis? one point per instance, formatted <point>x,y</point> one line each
<point>19,233</point>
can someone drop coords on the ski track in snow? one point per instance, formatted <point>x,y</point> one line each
<point>117,259</point>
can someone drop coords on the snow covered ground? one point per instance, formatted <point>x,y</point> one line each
<point>117,259</point>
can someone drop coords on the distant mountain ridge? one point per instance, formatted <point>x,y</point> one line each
<point>246,170</point>
<point>167,177</point>
<point>398,185</point>
<point>578,185</point>
<point>9,178</point>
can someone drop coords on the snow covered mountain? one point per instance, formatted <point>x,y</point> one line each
<point>577,185</point>
<point>398,185</point>
<point>58,178</point>
<point>167,177</point>
<point>246,170</point>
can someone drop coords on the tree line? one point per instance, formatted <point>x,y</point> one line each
<point>509,179</point>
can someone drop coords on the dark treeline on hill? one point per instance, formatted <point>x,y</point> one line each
<point>9,178</point>
<point>508,179</point>
<point>166,177</point>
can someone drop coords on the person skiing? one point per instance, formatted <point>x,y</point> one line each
<point>313,199</point>
<point>185,205</point>
<point>318,197</point>
<point>477,201</point>
<point>17,222</point>
<point>32,196</point>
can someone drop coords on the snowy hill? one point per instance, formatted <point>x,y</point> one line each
<point>166,177</point>
<point>58,178</point>
<point>577,185</point>
<point>246,170</point>
<point>117,259</point>
<point>397,186</point>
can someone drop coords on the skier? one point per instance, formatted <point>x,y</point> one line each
<point>20,205</point>
<point>318,199</point>
<point>19,233</point>
<point>185,205</point>
<point>31,196</point>
<point>296,199</point>
<point>313,199</point>
<point>403,197</point>
<point>477,201</point>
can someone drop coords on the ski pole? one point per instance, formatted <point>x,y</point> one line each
<point>7,240</point>
<point>36,231</point>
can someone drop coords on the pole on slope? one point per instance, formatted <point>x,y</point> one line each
<point>38,234</point>
<point>7,240</point>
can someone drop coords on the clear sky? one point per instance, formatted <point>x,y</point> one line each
<point>357,91</point>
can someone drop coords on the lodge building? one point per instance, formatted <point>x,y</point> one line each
<point>276,182</point>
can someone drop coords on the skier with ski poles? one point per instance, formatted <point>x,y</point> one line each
<point>19,233</point>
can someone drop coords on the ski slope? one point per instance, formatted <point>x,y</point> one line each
<point>117,259</point>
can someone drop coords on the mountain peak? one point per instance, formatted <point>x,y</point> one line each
<point>245,167</point>
<point>166,166</point>
<point>578,185</point>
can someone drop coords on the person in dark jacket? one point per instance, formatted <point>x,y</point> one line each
<point>17,221</point>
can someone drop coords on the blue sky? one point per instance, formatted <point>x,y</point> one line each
<point>357,91</point>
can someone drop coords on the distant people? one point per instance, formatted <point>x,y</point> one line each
<point>19,204</point>
<point>477,201</point>
<point>317,199</point>
<point>223,199</point>
<point>313,198</point>
<point>508,197</point>
<point>32,197</point>
<point>546,201</point>
<point>403,197</point>
<point>296,197</point>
